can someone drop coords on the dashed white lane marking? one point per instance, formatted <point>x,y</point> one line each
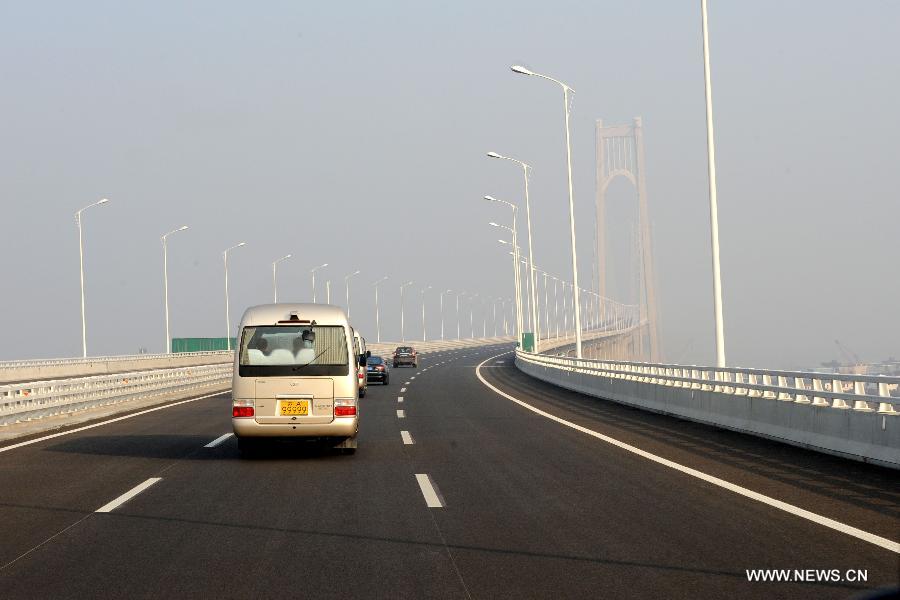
<point>407,439</point>
<point>77,429</point>
<point>218,440</point>
<point>401,414</point>
<point>429,490</point>
<point>413,377</point>
<point>789,508</point>
<point>399,398</point>
<point>402,390</point>
<point>128,495</point>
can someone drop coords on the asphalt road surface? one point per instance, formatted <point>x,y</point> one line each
<point>455,492</point>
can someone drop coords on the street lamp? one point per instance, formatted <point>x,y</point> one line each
<point>166,281</point>
<point>274,277</point>
<point>442,312</point>
<point>313,271</point>
<point>402,287</point>
<point>425,289</point>
<point>471,315</point>
<point>531,275</point>
<point>566,91</point>
<point>227,313</point>
<point>81,267</point>
<point>457,313</point>
<point>347,285</point>
<point>515,242</point>
<point>516,294</point>
<point>377,318</point>
<point>713,200</point>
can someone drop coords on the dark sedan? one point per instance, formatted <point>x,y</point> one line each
<point>406,355</point>
<point>376,370</point>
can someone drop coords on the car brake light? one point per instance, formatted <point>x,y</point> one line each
<point>241,411</point>
<point>379,368</point>
<point>344,411</point>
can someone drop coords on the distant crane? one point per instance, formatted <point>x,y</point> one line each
<point>854,364</point>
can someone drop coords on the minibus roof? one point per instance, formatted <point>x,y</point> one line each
<point>288,313</point>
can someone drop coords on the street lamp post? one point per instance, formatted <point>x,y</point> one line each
<point>566,91</point>
<point>275,277</point>
<point>328,291</point>
<point>425,289</point>
<point>531,275</point>
<point>515,242</point>
<point>166,281</point>
<point>227,312</point>
<point>313,273</point>
<point>402,287</point>
<point>81,271</point>
<point>442,312</point>
<point>457,313</point>
<point>347,286</point>
<point>516,293</point>
<point>713,200</point>
<point>377,316</point>
<point>472,315</point>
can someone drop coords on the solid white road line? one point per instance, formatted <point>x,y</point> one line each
<point>399,398</point>
<point>401,414</point>
<point>218,440</point>
<point>407,439</point>
<point>128,495</point>
<point>76,430</point>
<point>429,490</point>
<point>789,508</point>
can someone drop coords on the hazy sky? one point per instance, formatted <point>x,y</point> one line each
<point>355,133</point>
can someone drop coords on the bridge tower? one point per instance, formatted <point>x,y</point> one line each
<point>620,153</point>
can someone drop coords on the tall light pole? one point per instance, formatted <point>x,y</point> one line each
<point>313,273</point>
<point>81,270</point>
<point>424,289</point>
<point>377,316</point>
<point>347,286</point>
<point>555,305</point>
<point>164,239</point>
<point>402,287</point>
<point>515,242</point>
<point>566,91</point>
<point>275,276</point>
<point>713,200</point>
<point>516,293</point>
<point>328,291</point>
<point>457,313</point>
<point>472,315</point>
<point>442,312</point>
<point>531,275</point>
<point>227,312</point>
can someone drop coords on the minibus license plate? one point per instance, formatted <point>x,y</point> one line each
<point>292,408</point>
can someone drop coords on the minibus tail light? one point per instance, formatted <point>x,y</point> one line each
<point>344,407</point>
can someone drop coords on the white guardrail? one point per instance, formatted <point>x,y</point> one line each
<point>849,415</point>
<point>21,402</point>
<point>49,362</point>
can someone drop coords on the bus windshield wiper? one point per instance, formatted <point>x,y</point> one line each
<point>315,358</point>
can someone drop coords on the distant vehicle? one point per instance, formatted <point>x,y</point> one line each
<point>406,355</point>
<point>360,344</point>
<point>294,376</point>
<point>376,370</point>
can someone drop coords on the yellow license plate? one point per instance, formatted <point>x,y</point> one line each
<point>294,408</point>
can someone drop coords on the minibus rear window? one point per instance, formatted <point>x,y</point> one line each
<point>290,350</point>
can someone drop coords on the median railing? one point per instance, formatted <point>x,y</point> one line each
<point>58,368</point>
<point>850,415</point>
<point>27,401</point>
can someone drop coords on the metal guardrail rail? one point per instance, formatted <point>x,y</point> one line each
<point>41,362</point>
<point>34,400</point>
<point>836,390</point>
